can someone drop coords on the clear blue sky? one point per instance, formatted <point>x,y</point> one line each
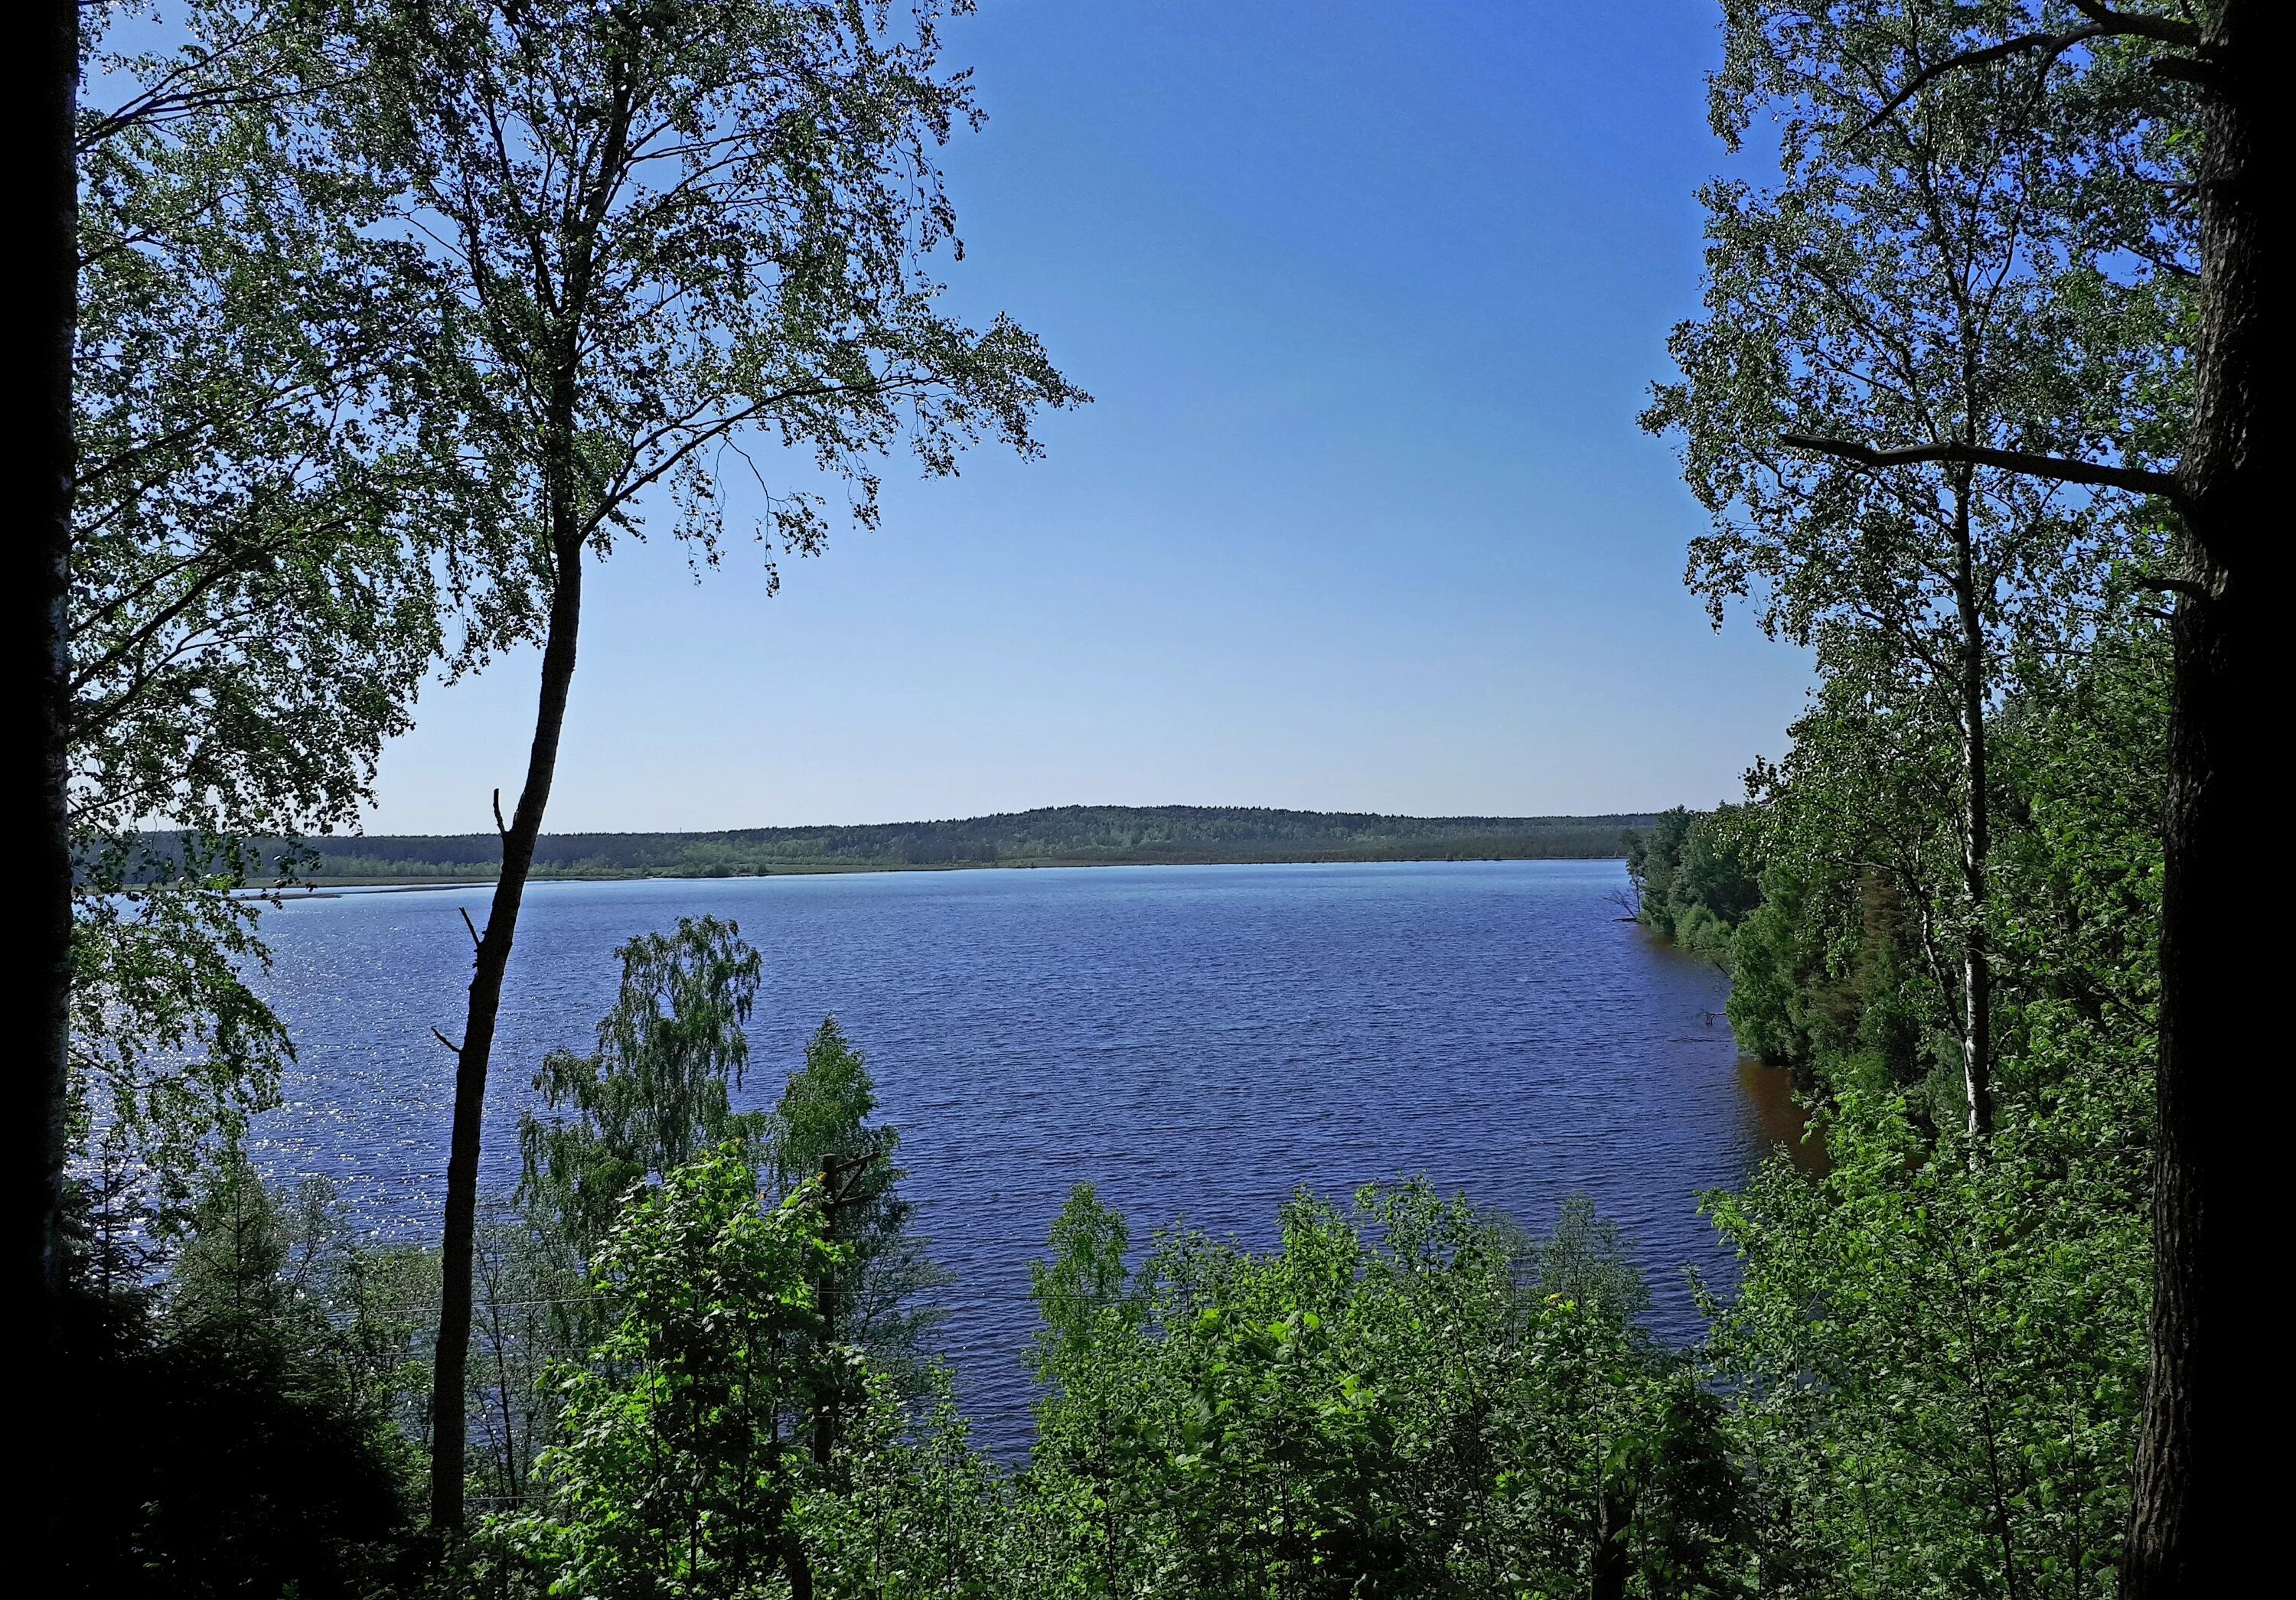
<point>1369,295</point>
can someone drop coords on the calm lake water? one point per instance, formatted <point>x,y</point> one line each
<point>1194,1040</point>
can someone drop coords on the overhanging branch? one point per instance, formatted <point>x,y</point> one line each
<point>2104,23</point>
<point>2163,30</point>
<point>2051,45</point>
<point>2136,481</point>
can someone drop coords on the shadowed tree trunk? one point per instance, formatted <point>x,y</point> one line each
<point>449,1438</point>
<point>2198,1486</point>
<point>1614,1516</point>
<point>46,318</point>
<point>569,523</point>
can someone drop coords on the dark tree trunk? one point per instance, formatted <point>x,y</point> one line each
<point>795,1562</point>
<point>1614,1516</point>
<point>569,532</point>
<point>450,1423</point>
<point>835,1198</point>
<point>2203,1453</point>
<point>824,1405</point>
<point>44,319</point>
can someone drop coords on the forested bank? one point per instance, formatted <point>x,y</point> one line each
<point>1939,1346</point>
<point>1052,836</point>
<point>390,319</point>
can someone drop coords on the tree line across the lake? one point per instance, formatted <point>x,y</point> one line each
<point>1050,836</point>
<point>365,330</point>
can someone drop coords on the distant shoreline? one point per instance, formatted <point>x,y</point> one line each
<point>1054,836</point>
<point>412,881</point>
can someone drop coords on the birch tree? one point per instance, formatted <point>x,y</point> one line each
<point>686,240</point>
<point>1932,273</point>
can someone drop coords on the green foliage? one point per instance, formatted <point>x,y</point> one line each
<point>874,1298</point>
<point>1935,1355</point>
<point>1585,1262</point>
<point>657,1091</point>
<point>918,1512</point>
<point>357,364</point>
<point>171,1050</point>
<point>658,1088</point>
<point>533,1311</point>
<point>272,533</point>
<point>267,520</point>
<point>240,1432</point>
<point>678,1471</point>
<point>1838,972</point>
<point>1412,1400</point>
<point>2085,763</point>
<point>1928,274</point>
<point>669,236</point>
<point>1696,877</point>
<point>1947,271</point>
<point>823,1115</point>
<point>1085,1279</point>
<point>1936,1365</point>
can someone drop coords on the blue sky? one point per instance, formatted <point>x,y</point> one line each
<point>1369,296</point>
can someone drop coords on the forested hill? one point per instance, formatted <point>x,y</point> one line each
<point>1054,836</point>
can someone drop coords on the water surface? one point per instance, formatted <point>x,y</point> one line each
<point>1195,1040</point>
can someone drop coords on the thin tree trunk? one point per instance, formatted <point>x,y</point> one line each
<point>1976,837</point>
<point>825,1406</point>
<point>1615,1514</point>
<point>567,532</point>
<point>797,1566</point>
<point>2195,1512</point>
<point>38,588</point>
<point>825,1400</point>
<point>449,1422</point>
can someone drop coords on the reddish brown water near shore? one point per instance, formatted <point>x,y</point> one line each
<point>1778,1118</point>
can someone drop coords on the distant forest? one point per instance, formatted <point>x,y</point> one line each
<point>1051,836</point>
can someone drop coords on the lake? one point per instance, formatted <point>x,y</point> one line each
<point>1197,1041</point>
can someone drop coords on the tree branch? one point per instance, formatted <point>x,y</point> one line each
<point>2136,481</point>
<point>2185,69</point>
<point>2054,44</point>
<point>2165,30</point>
<point>2104,23</point>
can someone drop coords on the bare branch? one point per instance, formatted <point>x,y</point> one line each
<point>2135,479</point>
